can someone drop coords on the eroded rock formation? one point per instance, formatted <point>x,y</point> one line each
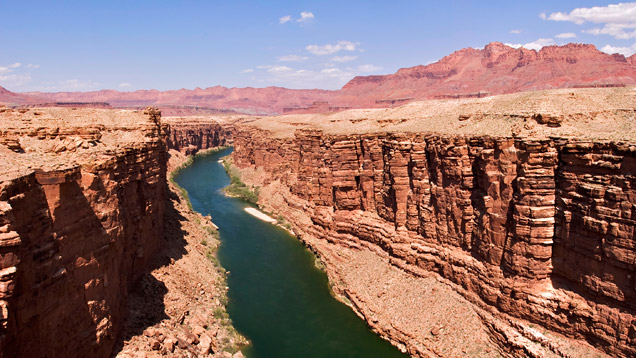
<point>190,135</point>
<point>539,227</point>
<point>82,197</point>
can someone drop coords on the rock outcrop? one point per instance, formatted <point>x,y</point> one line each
<point>81,214</point>
<point>189,136</point>
<point>540,228</point>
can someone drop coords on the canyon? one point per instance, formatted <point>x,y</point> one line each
<point>517,208</point>
<point>85,212</point>
<point>522,203</point>
<point>470,72</point>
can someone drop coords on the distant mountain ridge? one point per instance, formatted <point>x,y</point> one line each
<point>495,69</point>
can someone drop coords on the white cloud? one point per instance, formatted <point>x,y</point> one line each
<point>619,20</point>
<point>625,51</point>
<point>9,68</point>
<point>275,69</point>
<point>343,58</point>
<point>30,65</point>
<point>619,31</point>
<point>306,16</point>
<point>566,35</point>
<point>328,49</point>
<point>292,58</point>
<point>247,70</point>
<point>368,68</point>
<point>623,13</point>
<point>515,32</point>
<point>125,85</point>
<point>537,44</point>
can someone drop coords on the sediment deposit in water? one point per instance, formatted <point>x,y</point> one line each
<point>522,203</point>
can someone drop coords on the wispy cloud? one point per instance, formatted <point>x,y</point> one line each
<point>292,58</point>
<point>329,49</point>
<point>247,70</point>
<point>566,35</point>
<point>278,69</point>
<point>343,58</point>
<point>9,68</point>
<point>515,32</point>
<point>30,65</point>
<point>617,31</point>
<point>305,16</point>
<point>368,68</point>
<point>15,80</point>
<point>125,85</point>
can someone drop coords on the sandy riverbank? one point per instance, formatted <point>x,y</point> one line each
<point>260,215</point>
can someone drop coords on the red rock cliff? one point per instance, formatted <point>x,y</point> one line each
<point>81,214</point>
<point>540,229</point>
<point>190,136</point>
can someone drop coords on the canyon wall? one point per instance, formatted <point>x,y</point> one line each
<point>82,202</point>
<point>188,136</point>
<point>540,229</point>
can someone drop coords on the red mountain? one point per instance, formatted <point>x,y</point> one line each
<point>10,98</point>
<point>495,69</point>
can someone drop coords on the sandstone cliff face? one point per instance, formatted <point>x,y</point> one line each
<point>541,229</point>
<point>81,214</point>
<point>188,136</point>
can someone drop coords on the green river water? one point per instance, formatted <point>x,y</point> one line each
<point>278,299</point>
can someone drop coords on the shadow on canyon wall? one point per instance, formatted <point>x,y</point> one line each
<point>145,306</point>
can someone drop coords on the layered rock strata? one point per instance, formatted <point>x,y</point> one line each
<point>82,201</point>
<point>540,228</point>
<point>191,135</point>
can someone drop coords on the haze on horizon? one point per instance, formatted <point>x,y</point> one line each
<point>85,46</point>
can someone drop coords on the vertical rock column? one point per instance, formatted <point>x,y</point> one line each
<point>9,244</point>
<point>528,252</point>
<point>495,171</point>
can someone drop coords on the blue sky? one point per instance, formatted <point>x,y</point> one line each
<point>128,45</point>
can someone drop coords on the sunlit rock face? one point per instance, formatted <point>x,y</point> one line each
<point>539,227</point>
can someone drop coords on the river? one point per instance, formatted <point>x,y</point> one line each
<point>278,299</point>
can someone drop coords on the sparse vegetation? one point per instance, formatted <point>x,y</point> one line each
<point>237,188</point>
